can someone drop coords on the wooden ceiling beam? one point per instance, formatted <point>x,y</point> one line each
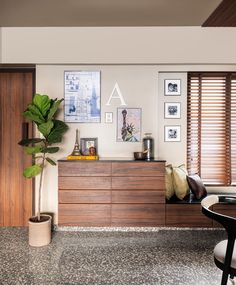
<point>223,16</point>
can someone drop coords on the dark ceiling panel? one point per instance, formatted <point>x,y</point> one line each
<point>223,16</point>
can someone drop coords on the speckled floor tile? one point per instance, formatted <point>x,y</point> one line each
<point>162,257</point>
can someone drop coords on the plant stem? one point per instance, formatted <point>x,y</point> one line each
<point>40,187</point>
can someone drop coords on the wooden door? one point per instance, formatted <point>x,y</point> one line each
<point>16,90</point>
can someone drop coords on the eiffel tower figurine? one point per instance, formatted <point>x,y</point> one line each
<point>76,150</point>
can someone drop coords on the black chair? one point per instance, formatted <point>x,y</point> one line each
<point>224,253</point>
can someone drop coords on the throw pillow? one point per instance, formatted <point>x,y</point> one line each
<point>196,185</point>
<point>180,181</point>
<point>170,191</point>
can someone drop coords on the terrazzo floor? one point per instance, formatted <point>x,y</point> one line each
<point>164,257</point>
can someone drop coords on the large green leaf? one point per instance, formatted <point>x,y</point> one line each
<point>26,142</point>
<point>33,117</point>
<point>32,171</point>
<point>51,161</point>
<point>35,110</point>
<point>33,149</point>
<point>45,128</point>
<point>57,132</point>
<point>54,108</point>
<point>43,102</point>
<point>50,150</point>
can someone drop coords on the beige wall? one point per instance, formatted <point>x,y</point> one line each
<point>147,45</point>
<point>149,55</point>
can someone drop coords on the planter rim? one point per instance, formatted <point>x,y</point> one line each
<point>41,223</point>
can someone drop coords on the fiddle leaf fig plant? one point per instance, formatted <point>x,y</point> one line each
<point>42,111</point>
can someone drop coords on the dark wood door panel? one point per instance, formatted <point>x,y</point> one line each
<point>84,182</point>
<point>85,196</point>
<point>84,215</point>
<point>149,183</point>
<point>186,216</point>
<point>16,91</point>
<point>134,197</point>
<point>85,168</point>
<point>138,168</point>
<point>137,215</point>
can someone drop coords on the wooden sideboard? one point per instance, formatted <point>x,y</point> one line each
<point>111,193</point>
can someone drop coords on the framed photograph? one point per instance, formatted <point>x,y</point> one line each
<point>86,143</point>
<point>172,110</point>
<point>108,117</point>
<point>172,133</point>
<point>172,87</point>
<point>129,124</point>
<point>82,96</point>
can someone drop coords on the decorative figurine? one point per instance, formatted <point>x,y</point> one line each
<point>76,150</point>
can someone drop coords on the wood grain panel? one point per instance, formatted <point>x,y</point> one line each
<point>16,90</point>
<point>184,215</point>
<point>138,214</point>
<point>84,182</point>
<point>140,196</point>
<point>85,196</point>
<point>84,168</point>
<point>137,168</point>
<point>138,183</point>
<point>225,209</point>
<point>84,214</point>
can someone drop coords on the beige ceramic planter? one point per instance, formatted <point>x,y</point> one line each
<point>40,233</point>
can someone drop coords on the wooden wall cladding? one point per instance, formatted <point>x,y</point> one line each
<point>121,193</point>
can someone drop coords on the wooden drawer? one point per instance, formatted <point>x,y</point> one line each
<point>85,196</point>
<point>225,209</point>
<point>184,215</point>
<point>84,182</point>
<point>138,183</point>
<point>137,215</point>
<point>142,197</point>
<point>138,168</point>
<point>84,214</point>
<point>85,168</point>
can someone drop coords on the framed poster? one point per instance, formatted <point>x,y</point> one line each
<point>82,96</point>
<point>172,87</point>
<point>172,110</point>
<point>172,133</point>
<point>129,124</point>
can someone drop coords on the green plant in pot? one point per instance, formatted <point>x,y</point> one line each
<point>42,111</point>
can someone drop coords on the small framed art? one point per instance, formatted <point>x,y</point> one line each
<point>86,143</point>
<point>172,87</point>
<point>129,124</point>
<point>108,117</point>
<point>172,134</point>
<point>172,110</point>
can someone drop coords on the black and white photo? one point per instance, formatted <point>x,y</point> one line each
<point>172,110</point>
<point>172,133</point>
<point>172,87</point>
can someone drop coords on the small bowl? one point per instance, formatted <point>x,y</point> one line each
<point>139,155</point>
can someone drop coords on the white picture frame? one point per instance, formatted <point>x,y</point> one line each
<point>172,133</point>
<point>82,96</point>
<point>172,110</point>
<point>172,87</point>
<point>108,117</point>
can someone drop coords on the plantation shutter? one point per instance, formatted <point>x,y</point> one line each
<point>208,127</point>
<point>233,129</point>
